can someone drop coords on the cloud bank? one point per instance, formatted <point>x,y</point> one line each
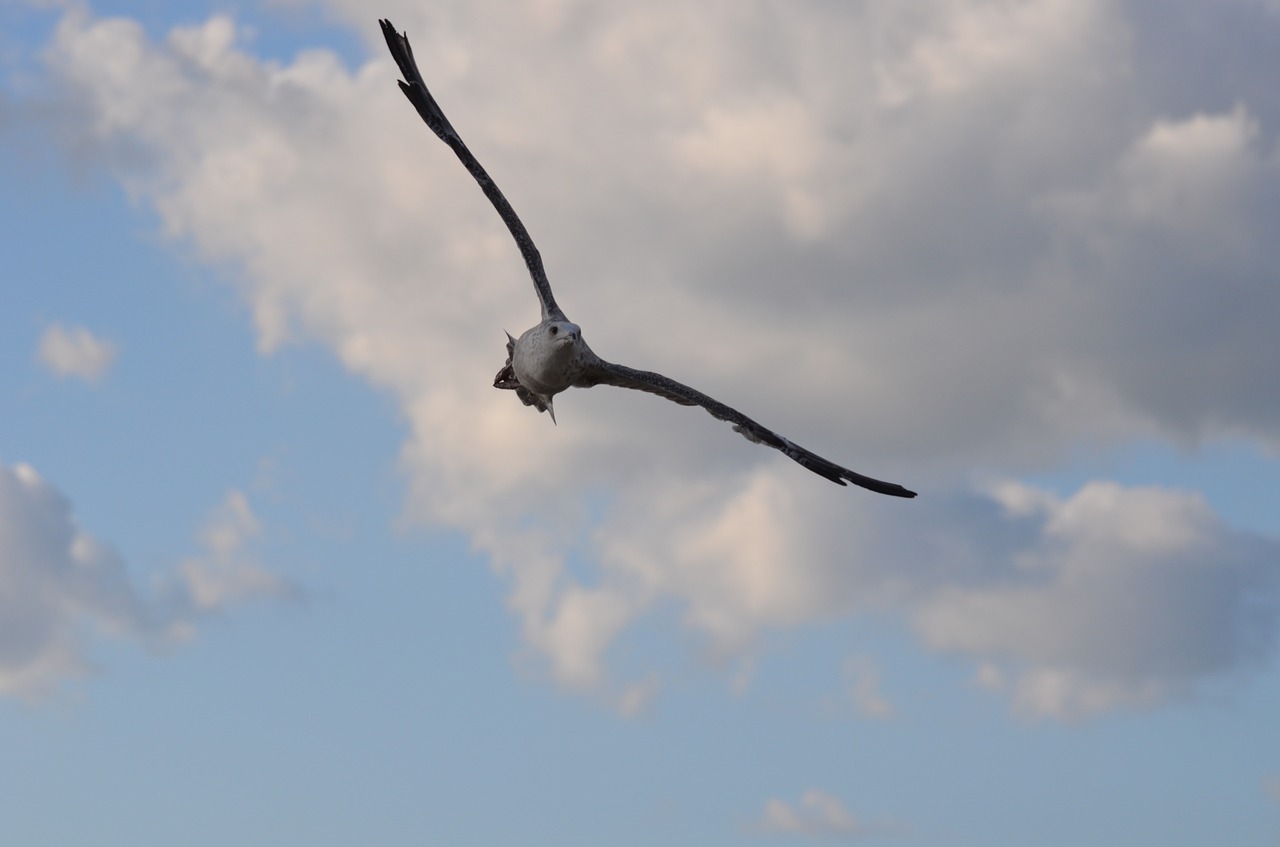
<point>921,239</point>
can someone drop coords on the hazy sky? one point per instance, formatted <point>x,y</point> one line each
<point>279,566</point>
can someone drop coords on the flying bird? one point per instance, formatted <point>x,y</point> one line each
<point>553,356</point>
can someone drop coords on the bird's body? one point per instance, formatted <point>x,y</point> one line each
<point>549,358</point>
<point>552,357</point>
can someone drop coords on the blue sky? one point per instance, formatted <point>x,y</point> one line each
<point>277,565</point>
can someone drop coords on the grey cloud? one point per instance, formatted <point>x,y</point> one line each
<point>53,579</point>
<point>60,588</point>
<point>1193,57</point>
<point>1128,596</point>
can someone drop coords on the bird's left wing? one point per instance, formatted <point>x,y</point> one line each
<point>416,90</point>
<point>607,373</point>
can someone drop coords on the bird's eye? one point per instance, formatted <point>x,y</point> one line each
<point>554,329</point>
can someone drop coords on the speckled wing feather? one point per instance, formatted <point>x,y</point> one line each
<point>416,90</point>
<point>607,373</point>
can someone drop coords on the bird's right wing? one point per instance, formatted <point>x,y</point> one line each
<point>416,90</point>
<point>607,373</point>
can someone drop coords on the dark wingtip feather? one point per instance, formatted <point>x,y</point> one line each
<point>894,490</point>
<point>413,85</point>
<point>890,488</point>
<point>879,486</point>
<point>398,44</point>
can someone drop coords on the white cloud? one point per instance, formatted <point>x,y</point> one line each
<point>229,573</point>
<point>959,249</point>
<point>60,588</point>
<point>75,351</point>
<point>818,814</point>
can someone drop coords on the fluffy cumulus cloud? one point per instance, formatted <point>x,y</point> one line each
<point>60,587</point>
<point>917,237</point>
<point>1112,597</point>
<point>1117,597</point>
<point>75,351</point>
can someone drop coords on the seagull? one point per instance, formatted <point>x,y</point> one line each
<point>553,356</point>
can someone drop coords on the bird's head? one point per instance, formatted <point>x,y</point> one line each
<point>560,335</point>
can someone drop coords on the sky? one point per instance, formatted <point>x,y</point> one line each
<point>279,566</point>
